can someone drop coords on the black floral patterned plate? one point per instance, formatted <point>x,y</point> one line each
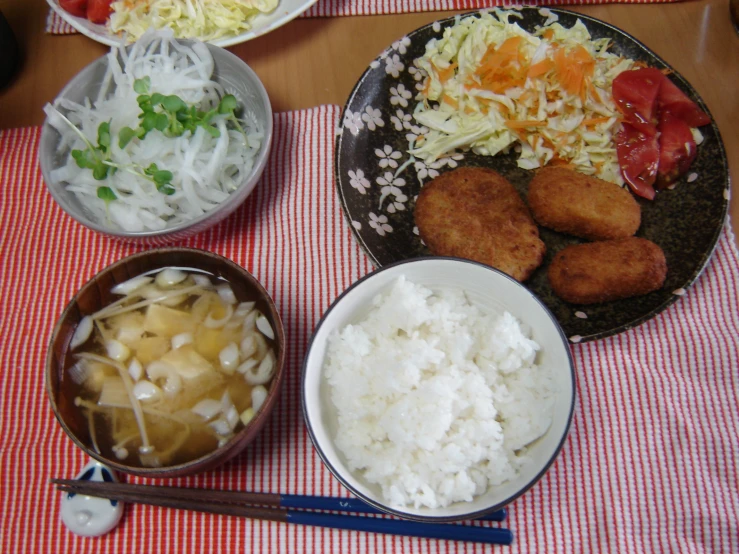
<point>378,200</point>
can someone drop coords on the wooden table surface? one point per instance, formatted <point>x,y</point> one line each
<point>310,62</point>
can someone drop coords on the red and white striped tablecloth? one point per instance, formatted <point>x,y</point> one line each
<point>55,25</point>
<point>651,463</point>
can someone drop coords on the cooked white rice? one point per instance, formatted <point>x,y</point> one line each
<point>435,399</point>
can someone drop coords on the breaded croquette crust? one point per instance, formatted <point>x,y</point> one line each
<point>609,270</point>
<point>581,205</point>
<point>475,213</point>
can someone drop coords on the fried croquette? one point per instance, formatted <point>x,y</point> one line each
<point>608,270</point>
<point>581,205</point>
<point>475,213</point>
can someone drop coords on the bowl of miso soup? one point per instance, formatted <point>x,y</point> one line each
<point>166,363</point>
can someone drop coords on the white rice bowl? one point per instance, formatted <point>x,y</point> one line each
<point>438,406</point>
<point>435,399</point>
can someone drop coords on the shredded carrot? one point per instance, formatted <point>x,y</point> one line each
<point>595,121</point>
<point>502,68</point>
<point>426,87</point>
<point>540,68</point>
<point>559,162</point>
<point>449,100</point>
<point>446,74</point>
<point>596,95</point>
<point>548,34</point>
<point>513,124</point>
<point>521,134</point>
<point>574,69</point>
<point>547,143</point>
<point>590,87</point>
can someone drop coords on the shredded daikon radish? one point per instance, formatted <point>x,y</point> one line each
<point>205,169</point>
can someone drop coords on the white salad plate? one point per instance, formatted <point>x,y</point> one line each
<point>286,11</point>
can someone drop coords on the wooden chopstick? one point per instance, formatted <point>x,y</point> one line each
<point>172,497</point>
<point>133,492</point>
<point>191,494</point>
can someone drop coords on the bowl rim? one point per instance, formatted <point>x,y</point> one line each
<point>221,453</point>
<point>223,210</point>
<point>431,518</point>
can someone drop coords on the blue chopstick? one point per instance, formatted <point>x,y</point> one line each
<point>329,503</point>
<point>488,535</point>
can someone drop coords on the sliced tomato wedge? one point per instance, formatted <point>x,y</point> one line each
<point>673,100</point>
<point>638,157</point>
<point>75,7</point>
<point>677,149</point>
<point>98,11</point>
<point>635,93</point>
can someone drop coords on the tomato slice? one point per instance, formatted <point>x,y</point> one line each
<point>98,11</point>
<point>677,149</point>
<point>673,100</point>
<point>75,7</point>
<point>635,93</point>
<point>638,157</point>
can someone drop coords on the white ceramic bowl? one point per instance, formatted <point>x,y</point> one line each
<point>235,76</point>
<point>491,291</point>
<point>286,11</point>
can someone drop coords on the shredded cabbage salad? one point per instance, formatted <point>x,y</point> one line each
<point>172,174</point>
<point>490,85</point>
<point>202,19</point>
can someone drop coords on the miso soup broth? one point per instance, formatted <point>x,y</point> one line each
<point>171,369</point>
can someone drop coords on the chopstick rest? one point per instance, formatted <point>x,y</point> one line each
<point>87,515</point>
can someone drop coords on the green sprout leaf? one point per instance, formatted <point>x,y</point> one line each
<point>162,177</point>
<point>207,116</point>
<point>125,136</point>
<point>162,122</point>
<point>84,159</point>
<point>142,85</point>
<point>100,171</point>
<point>228,104</point>
<point>166,188</point>
<point>173,103</point>
<point>104,136</point>
<point>149,122</point>
<point>211,130</point>
<point>107,194</point>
